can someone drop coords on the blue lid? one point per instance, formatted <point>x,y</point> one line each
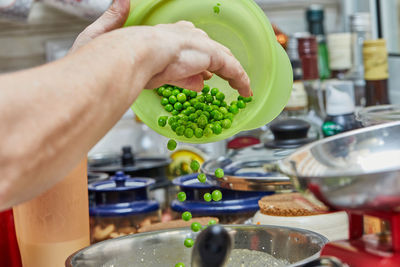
<point>232,201</point>
<point>121,182</point>
<point>124,209</point>
<point>217,208</point>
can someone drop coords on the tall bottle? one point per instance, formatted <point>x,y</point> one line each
<point>376,72</point>
<point>56,224</point>
<point>297,104</point>
<point>309,62</point>
<point>315,20</point>
<point>339,46</point>
<point>360,25</point>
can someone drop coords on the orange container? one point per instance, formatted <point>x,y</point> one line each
<point>54,225</point>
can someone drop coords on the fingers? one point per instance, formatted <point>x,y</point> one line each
<point>195,83</point>
<point>112,19</point>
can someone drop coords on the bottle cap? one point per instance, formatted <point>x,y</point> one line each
<point>298,97</point>
<point>360,22</point>
<point>315,13</point>
<point>309,59</point>
<point>339,98</point>
<point>339,46</point>
<point>375,60</point>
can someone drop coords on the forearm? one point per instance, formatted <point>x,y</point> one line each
<point>55,113</point>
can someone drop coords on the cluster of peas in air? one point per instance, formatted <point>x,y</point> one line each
<point>215,195</point>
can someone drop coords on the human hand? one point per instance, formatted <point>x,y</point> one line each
<point>182,55</point>
<point>112,19</point>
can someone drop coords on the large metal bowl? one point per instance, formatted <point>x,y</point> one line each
<point>165,248</point>
<point>357,170</point>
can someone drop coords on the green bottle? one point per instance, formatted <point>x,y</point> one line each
<point>315,20</point>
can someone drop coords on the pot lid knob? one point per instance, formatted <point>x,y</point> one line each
<point>120,179</point>
<point>127,157</point>
<point>290,129</point>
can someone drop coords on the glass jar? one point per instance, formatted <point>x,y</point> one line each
<point>378,114</point>
<point>120,206</point>
<point>235,207</point>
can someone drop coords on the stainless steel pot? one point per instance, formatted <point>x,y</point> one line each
<point>165,248</point>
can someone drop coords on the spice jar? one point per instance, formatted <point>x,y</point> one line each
<point>120,206</point>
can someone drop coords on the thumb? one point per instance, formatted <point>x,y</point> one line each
<point>112,19</point>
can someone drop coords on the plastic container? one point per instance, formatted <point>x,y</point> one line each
<point>250,38</point>
<point>55,224</point>
<point>120,206</point>
<point>235,206</point>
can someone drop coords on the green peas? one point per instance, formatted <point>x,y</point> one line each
<point>195,165</point>
<point>220,96</point>
<point>224,104</point>
<point>216,102</point>
<point>189,133</point>
<point>186,112</point>
<point>233,103</point>
<point>171,144</point>
<point>180,264</point>
<point>202,178</point>
<point>164,101</point>
<point>207,132</point>
<point>162,121</point>
<point>233,109</point>
<point>229,116</point>
<point>202,121</point>
<point>212,222</point>
<point>193,94</point>
<point>223,110</point>
<point>207,197</point>
<point>172,99</point>
<point>183,117</point>
<point>199,106</point>
<point>181,196</point>
<point>160,91</point>
<point>193,102</point>
<point>175,92</point>
<point>217,129</point>
<point>209,98</point>
<point>186,104</point>
<point>226,124</point>
<point>186,92</point>
<point>195,227</point>
<point>181,97</point>
<point>247,99</point>
<point>216,195</point>
<point>206,89</point>
<point>180,130</point>
<point>186,216</point>
<point>201,98</point>
<point>214,91</point>
<point>198,132</point>
<point>174,126</point>
<point>241,104</point>
<point>191,109</point>
<point>169,107</point>
<point>198,113</point>
<point>207,114</point>
<point>178,106</point>
<point>171,120</point>
<point>167,93</point>
<point>219,173</point>
<point>208,108</point>
<point>192,117</point>
<point>219,116</point>
<point>189,242</point>
<point>175,112</point>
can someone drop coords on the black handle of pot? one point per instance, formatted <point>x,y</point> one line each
<point>325,262</point>
<point>212,248</point>
<point>290,129</point>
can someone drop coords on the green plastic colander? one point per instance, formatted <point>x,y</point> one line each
<point>241,26</point>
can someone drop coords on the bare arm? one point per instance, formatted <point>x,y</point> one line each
<point>52,115</point>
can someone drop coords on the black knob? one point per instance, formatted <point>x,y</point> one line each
<point>289,133</point>
<point>127,157</point>
<point>290,129</point>
<point>212,248</point>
